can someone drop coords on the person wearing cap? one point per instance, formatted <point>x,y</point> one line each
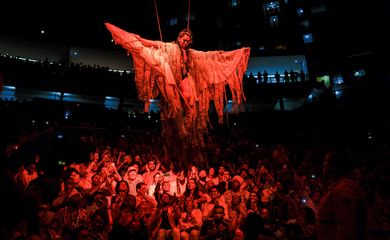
<point>237,184</point>
<point>133,178</point>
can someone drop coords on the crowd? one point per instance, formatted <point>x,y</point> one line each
<point>266,176</point>
<point>66,77</point>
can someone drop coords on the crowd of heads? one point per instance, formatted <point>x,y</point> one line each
<point>126,187</point>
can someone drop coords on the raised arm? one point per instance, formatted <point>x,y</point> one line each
<point>129,40</point>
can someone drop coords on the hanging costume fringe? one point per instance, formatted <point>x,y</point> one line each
<point>157,68</point>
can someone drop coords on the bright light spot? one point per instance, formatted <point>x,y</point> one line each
<point>9,87</point>
<point>300,12</point>
<point>67,114</point>
<point>61,163</point>
<point>42,31</point>
<point>308,38</point>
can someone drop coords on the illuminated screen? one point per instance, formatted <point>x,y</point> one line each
<point>325,79</point>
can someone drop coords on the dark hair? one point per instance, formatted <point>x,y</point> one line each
<point>118,183</point>
<point>139,185</point>
<point>96,174</point>
<point>187,192</point>
<point>67,172</point>
<point>218,206</point>
<point>103,214</point>
<point>310,216</point>
<point>214,187</point>
<point>75,200</point>
<point>244,170</point>
<point>248,203</point>
<point>222,186</point>
<point>185,32</point>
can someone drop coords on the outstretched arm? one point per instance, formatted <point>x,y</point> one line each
<point>126,39</point>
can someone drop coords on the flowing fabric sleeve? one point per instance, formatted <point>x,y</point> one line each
<point>213,70</point>
<point>150,61</point>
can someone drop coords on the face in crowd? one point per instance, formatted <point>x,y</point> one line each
<point>151,165</point>
<point>218,213</point>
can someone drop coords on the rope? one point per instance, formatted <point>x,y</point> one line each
<point>189,15</point>
<point>158,20</point>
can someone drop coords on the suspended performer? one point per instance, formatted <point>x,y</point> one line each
<point>185,80</point>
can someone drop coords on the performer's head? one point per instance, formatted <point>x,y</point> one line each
<point>184,39</point>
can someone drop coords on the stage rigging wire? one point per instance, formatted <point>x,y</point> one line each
<point>158,19</point>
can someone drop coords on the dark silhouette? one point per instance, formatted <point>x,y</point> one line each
<point>286,78</point>
<point>277,77</point>
<point>265,76</point>
<point>302,76</point>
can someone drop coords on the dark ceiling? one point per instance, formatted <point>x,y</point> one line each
<point>81,23</point>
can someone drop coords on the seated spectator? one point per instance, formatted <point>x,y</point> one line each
<point>214,199</point>
<point>164,224</point>
<point>70,219</point>
<point>132,177</point>
<point>26,175</point>
<point>145,205</point>
<point>165,188</point>
<point>122,200</point>
<point>237,182</point>
<point>45,223</point>
<point>124,165</point>
<point>152,167</point>
<point>252,204</point>
<point>152,186</point>
<point>178,184</point>
<point>99,226</point>
<point>193,191</point>
<point>201,182</point>
<point>271,226</point>
<point>190,221</point>
<point>237,213</point>
<point>211,176</point>
<point>217,227</point>
<point>64,195</point>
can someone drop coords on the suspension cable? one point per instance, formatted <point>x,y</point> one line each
<point>158,20</point>
<point>189,15</point>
